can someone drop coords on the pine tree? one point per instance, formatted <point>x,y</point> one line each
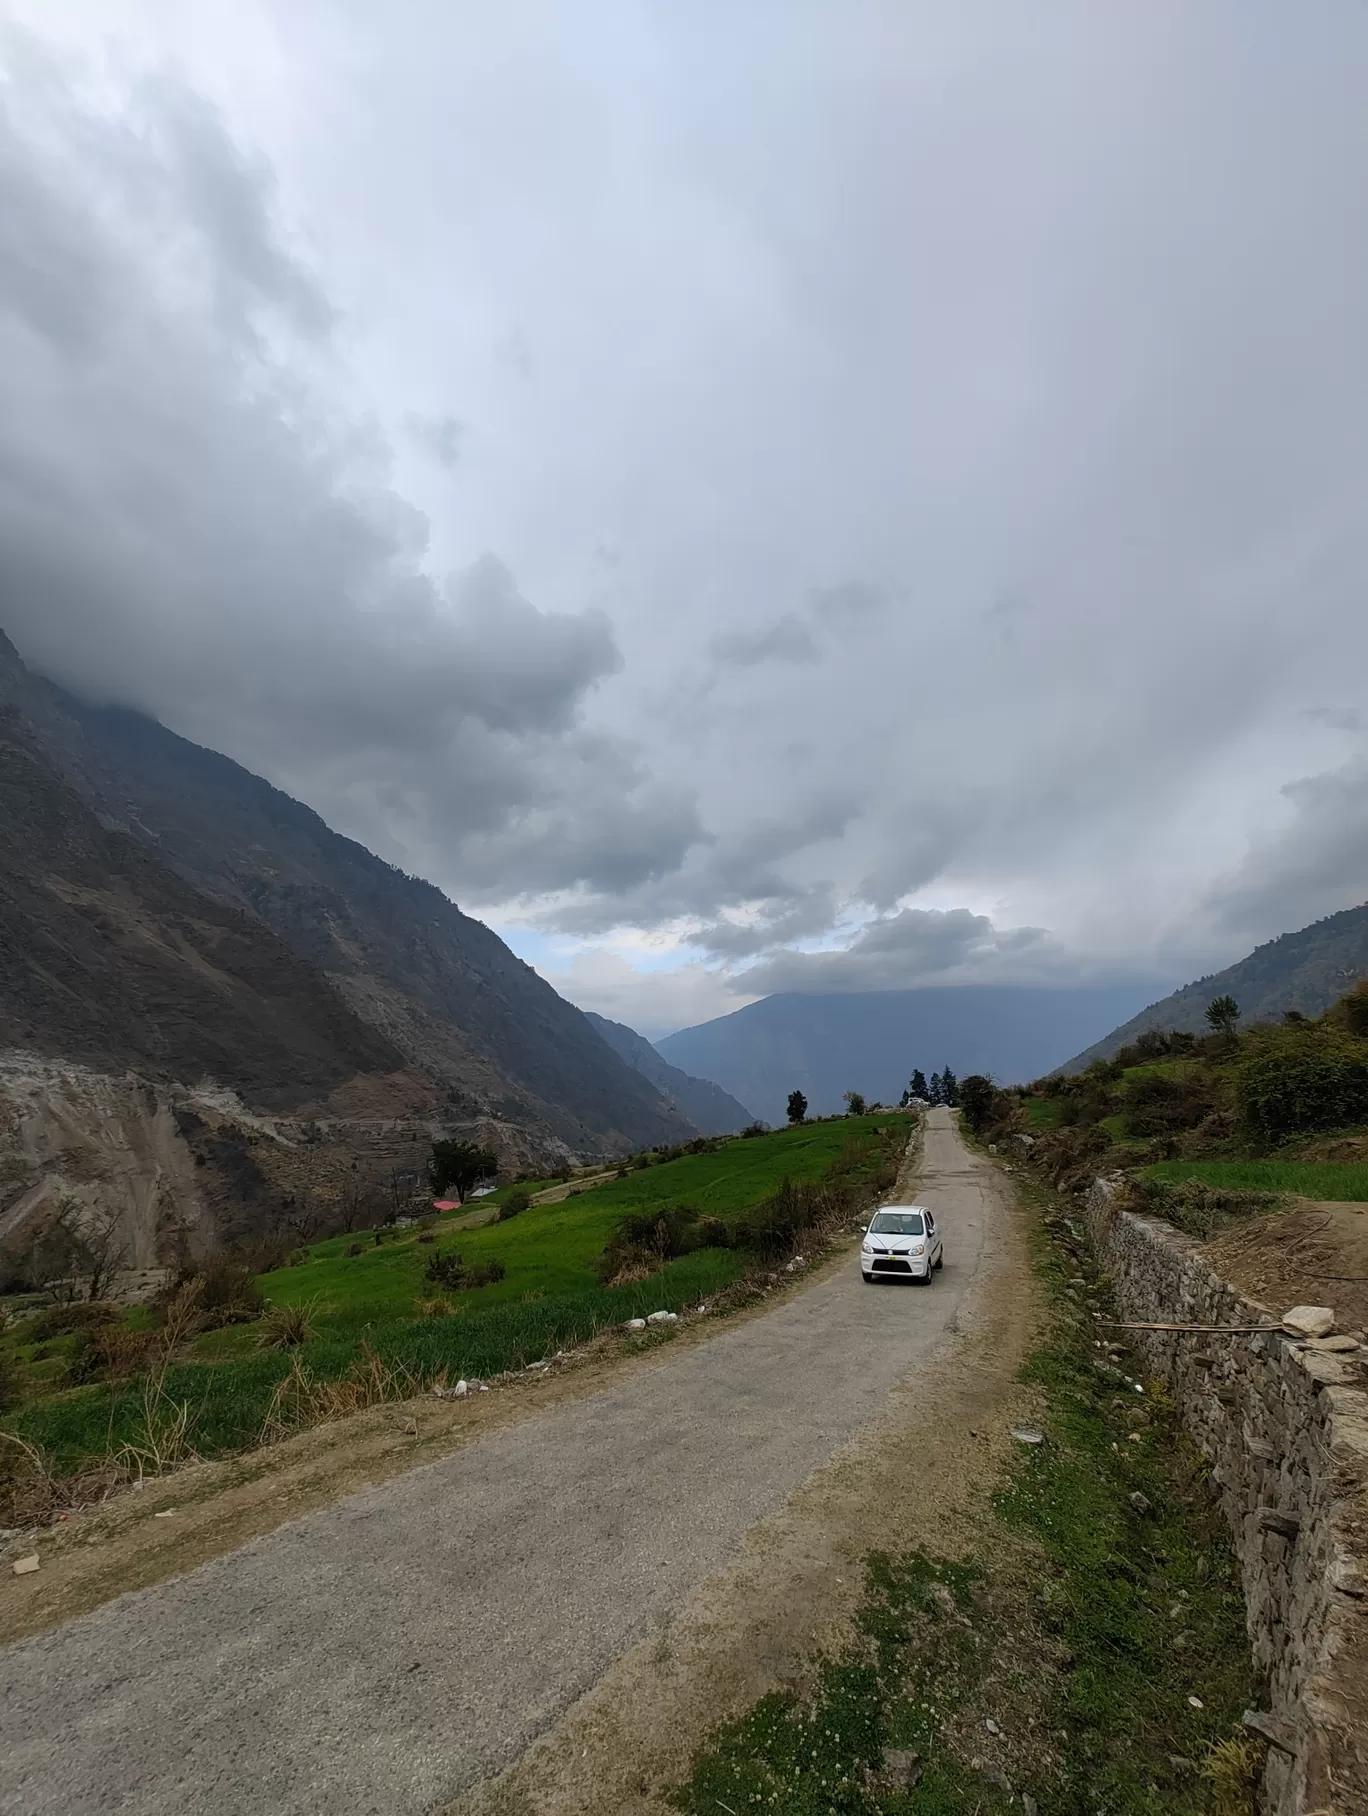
<point>933,1090</point>
<point>919,1086</point>
<point>949,1088</point>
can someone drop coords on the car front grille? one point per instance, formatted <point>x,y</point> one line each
<point>892,1264</point>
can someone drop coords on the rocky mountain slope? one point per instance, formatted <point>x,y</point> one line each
<point>708,1107</point>
<point>826,1045</point>
<point>1306,970</point>
<point>108,958</point>
<point>435,990</point>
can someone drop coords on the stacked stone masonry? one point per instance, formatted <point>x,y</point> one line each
<point>1284,1427</point>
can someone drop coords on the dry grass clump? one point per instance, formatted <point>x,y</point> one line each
<point>288,1326</point>
<point>1231,1769</point>
<point>303,1399</point>
<point>436,1308</point>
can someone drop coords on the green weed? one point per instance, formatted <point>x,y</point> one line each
<point>1307,1178</point>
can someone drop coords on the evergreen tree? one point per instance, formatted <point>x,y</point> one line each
<point>949,1088</point>
<point>933,1090</point>
<point>919,1086</point>
<point>1223,1013</point>
<point>797,1107</point>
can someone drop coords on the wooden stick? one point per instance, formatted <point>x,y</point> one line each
<point>1201,1330</point>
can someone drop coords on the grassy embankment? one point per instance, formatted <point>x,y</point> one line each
<point>1215,1128</point>
<point>1346,1182</point>
<point>1083,1642</point>
<point>364,1298</point>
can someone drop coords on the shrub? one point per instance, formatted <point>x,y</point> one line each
<point>517,1202</point>
<point>287,1326</point>
<point>62,1320</point>
<point>1297,1080</point>
<point>356,1248</point>
<point>1157,1104</point>
<point>229,1293</point>
<point>645,1240</point>
<point>1353,1010</point>
<point>450,1271</point>
<point>752,1129</point>
<point>113,1351</point>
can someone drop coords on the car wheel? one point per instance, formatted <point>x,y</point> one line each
<point>940,1259</point>
<point>867,1278</point>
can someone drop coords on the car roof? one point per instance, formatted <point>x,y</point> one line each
<point>901,1207</point>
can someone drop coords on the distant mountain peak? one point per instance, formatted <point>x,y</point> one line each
<point>870,1041</point>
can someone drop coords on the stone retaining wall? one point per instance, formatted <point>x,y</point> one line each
<point>1284,1426</point>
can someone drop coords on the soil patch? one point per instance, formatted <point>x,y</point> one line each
<point>1316,1253</point>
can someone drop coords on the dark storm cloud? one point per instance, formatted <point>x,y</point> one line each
<point>184,528</point>
<point>914,947</point>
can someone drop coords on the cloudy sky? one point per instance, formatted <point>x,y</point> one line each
<point>778,495</point>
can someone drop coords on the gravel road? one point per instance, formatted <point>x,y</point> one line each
<point>393,1650</point>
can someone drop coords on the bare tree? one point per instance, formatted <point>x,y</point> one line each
<point>79,1252</point>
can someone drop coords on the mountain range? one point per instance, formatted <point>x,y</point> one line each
<point>1307,970</point>
<point>707,1106</point>
<point>870,1042</point>
<point>164,907</point>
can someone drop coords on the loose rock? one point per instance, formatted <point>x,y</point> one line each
<point>662,1317</point>
<point>25,1566</point>
<point>902,1767</point>
<point>1309,1321</point>
<point>943,1598</point>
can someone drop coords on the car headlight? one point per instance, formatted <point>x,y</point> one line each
<point>917,1248</point>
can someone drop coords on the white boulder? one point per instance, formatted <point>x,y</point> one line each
<point>1309,1321</point>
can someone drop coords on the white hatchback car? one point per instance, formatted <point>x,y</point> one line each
<point>901,1243</point>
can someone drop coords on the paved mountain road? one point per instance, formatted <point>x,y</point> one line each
<point>393,1650</point>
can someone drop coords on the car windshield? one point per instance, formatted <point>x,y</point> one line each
<point>897,1223</point>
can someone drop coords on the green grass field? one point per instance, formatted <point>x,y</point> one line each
<point>554,1248</point>
<point>1043,1113</point>
<point>1306,1178</point>
<point>550,1298</point>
